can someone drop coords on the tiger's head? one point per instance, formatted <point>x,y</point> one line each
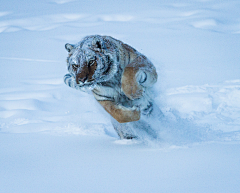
<point>91,62</point>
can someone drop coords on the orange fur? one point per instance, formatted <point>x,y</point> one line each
<point>129,67</point>
<point>121,114</point>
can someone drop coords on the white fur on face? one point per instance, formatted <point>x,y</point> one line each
<point>104,72</point>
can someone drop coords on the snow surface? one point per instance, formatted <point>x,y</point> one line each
<point>56,139</point>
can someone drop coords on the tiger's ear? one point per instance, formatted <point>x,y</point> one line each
<point>69,47</point>
<point>98,44</point>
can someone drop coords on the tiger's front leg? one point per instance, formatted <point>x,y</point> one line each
<point>120,113</point>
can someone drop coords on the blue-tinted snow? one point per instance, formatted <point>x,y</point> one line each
<point>56,139</point>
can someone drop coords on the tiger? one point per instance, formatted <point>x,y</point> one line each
<point>119,77</point>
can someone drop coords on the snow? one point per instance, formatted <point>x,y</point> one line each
<point>50,163</point>
<point>57,139</point>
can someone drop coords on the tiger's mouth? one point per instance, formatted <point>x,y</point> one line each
<point>87,85</point>
<point>70,81</point>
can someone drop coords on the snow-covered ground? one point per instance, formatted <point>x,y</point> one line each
<point>56,139</point>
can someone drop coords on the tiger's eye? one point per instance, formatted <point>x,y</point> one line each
<point>75,66</point>
<point>91,62</point>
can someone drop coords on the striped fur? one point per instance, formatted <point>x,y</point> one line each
<point>119,77</point>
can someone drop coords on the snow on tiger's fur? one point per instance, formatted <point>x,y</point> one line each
<point>119,77</point>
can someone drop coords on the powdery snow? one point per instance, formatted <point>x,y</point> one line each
<point>56,139</point>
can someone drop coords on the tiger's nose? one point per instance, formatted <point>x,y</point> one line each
<point>81,79</point>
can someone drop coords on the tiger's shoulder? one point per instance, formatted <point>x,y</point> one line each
<point>136,72</point>
<point>126,52</point>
